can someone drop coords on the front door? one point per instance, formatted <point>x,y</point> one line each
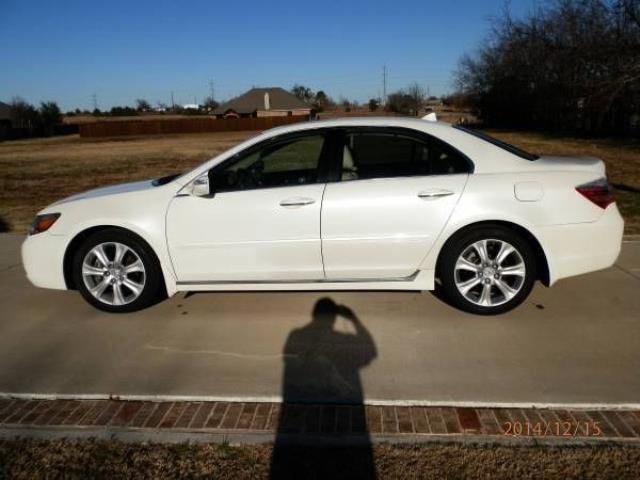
<point>262,222</point>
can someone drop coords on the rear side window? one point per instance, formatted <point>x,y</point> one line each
<point>445,160</point>
<point>369,155</point>
<point>499,143</point>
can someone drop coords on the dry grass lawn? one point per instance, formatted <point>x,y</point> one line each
<point>37,172</point>
<point>100,459</point>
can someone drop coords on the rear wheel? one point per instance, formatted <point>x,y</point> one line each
<point>487,271</point>
<point>117,272</point>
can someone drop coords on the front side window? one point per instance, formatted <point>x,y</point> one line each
<point>279,164</point>
<point>369,155</point>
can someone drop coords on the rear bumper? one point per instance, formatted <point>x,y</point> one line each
<point>579,248</point>
<point>43,257</point>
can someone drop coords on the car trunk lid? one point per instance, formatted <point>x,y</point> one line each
<point>572,164</point>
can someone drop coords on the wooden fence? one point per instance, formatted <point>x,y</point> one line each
<point>183,125</point>
<point>7,132</point>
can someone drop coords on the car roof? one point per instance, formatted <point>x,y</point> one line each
<point>406,122</point>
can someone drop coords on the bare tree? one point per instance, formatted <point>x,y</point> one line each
<point>210,103</point>
<point>408,101</point>
<point>347,104</point>
<point>50,116</point>
<point>303,93</point>
<point>142,105</point>
<point>570,64</point>
<point>24,114</point>
<point>417,95</point>
<point>322,101</point>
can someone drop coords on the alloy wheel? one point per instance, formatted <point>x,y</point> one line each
<point>489,272</point>
<point>113,273</point>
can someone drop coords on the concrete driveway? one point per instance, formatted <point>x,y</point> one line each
<point>578,342</point>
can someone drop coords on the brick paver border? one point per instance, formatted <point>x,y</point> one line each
<point>325,419</point>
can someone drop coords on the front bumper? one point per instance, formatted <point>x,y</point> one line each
<point>43,259</point>
<point>574,249</point>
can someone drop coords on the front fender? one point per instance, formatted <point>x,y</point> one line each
<point>154,238</point>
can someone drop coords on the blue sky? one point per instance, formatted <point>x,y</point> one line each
<point>67,50</point>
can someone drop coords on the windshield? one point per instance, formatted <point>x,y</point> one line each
<point>499,143</point>
<point>164,180</point>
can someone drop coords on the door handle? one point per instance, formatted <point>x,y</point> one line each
<point>297,202</point>
<point>435,193</point>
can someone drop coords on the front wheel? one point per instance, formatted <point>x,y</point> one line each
<point>487,271</point>
<point>117,272</point>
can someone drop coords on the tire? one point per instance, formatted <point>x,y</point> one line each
<point>490,282</point>
<point>133,283</point>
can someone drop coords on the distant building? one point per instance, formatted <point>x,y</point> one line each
<point>191,106</point>
<point>263,102</point>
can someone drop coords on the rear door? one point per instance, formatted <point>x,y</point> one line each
<point>393,193</point>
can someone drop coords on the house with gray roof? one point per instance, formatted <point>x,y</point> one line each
<point>263,102</point>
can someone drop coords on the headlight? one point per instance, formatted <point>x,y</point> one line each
<point>42,223</point>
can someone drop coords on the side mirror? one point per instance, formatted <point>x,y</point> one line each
<point>202,186</point>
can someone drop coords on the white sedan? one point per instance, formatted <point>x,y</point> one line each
<point>351,204</point>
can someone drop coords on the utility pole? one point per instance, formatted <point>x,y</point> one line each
<point>94,99</point>
<point>212,90</point>
<point>173,103</point>
<point>384,85</point>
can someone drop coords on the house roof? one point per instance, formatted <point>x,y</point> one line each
<point>5,111</point>
<point>253,100</point>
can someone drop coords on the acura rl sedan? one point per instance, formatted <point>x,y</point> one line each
<point>351,204</point>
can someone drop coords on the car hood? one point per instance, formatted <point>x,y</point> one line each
<point>111,190</point>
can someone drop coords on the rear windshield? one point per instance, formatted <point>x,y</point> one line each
<point>499,143</point>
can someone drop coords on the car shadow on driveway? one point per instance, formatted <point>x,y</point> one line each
<point>322,368</point>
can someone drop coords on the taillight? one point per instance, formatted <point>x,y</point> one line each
<point>598,191</point>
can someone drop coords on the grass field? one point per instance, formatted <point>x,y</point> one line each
<point>114,460</point>
<point>37,172</point>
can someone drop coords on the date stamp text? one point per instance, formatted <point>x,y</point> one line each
<point>552,429</point>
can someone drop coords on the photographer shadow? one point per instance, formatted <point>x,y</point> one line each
<point>323,399</point>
